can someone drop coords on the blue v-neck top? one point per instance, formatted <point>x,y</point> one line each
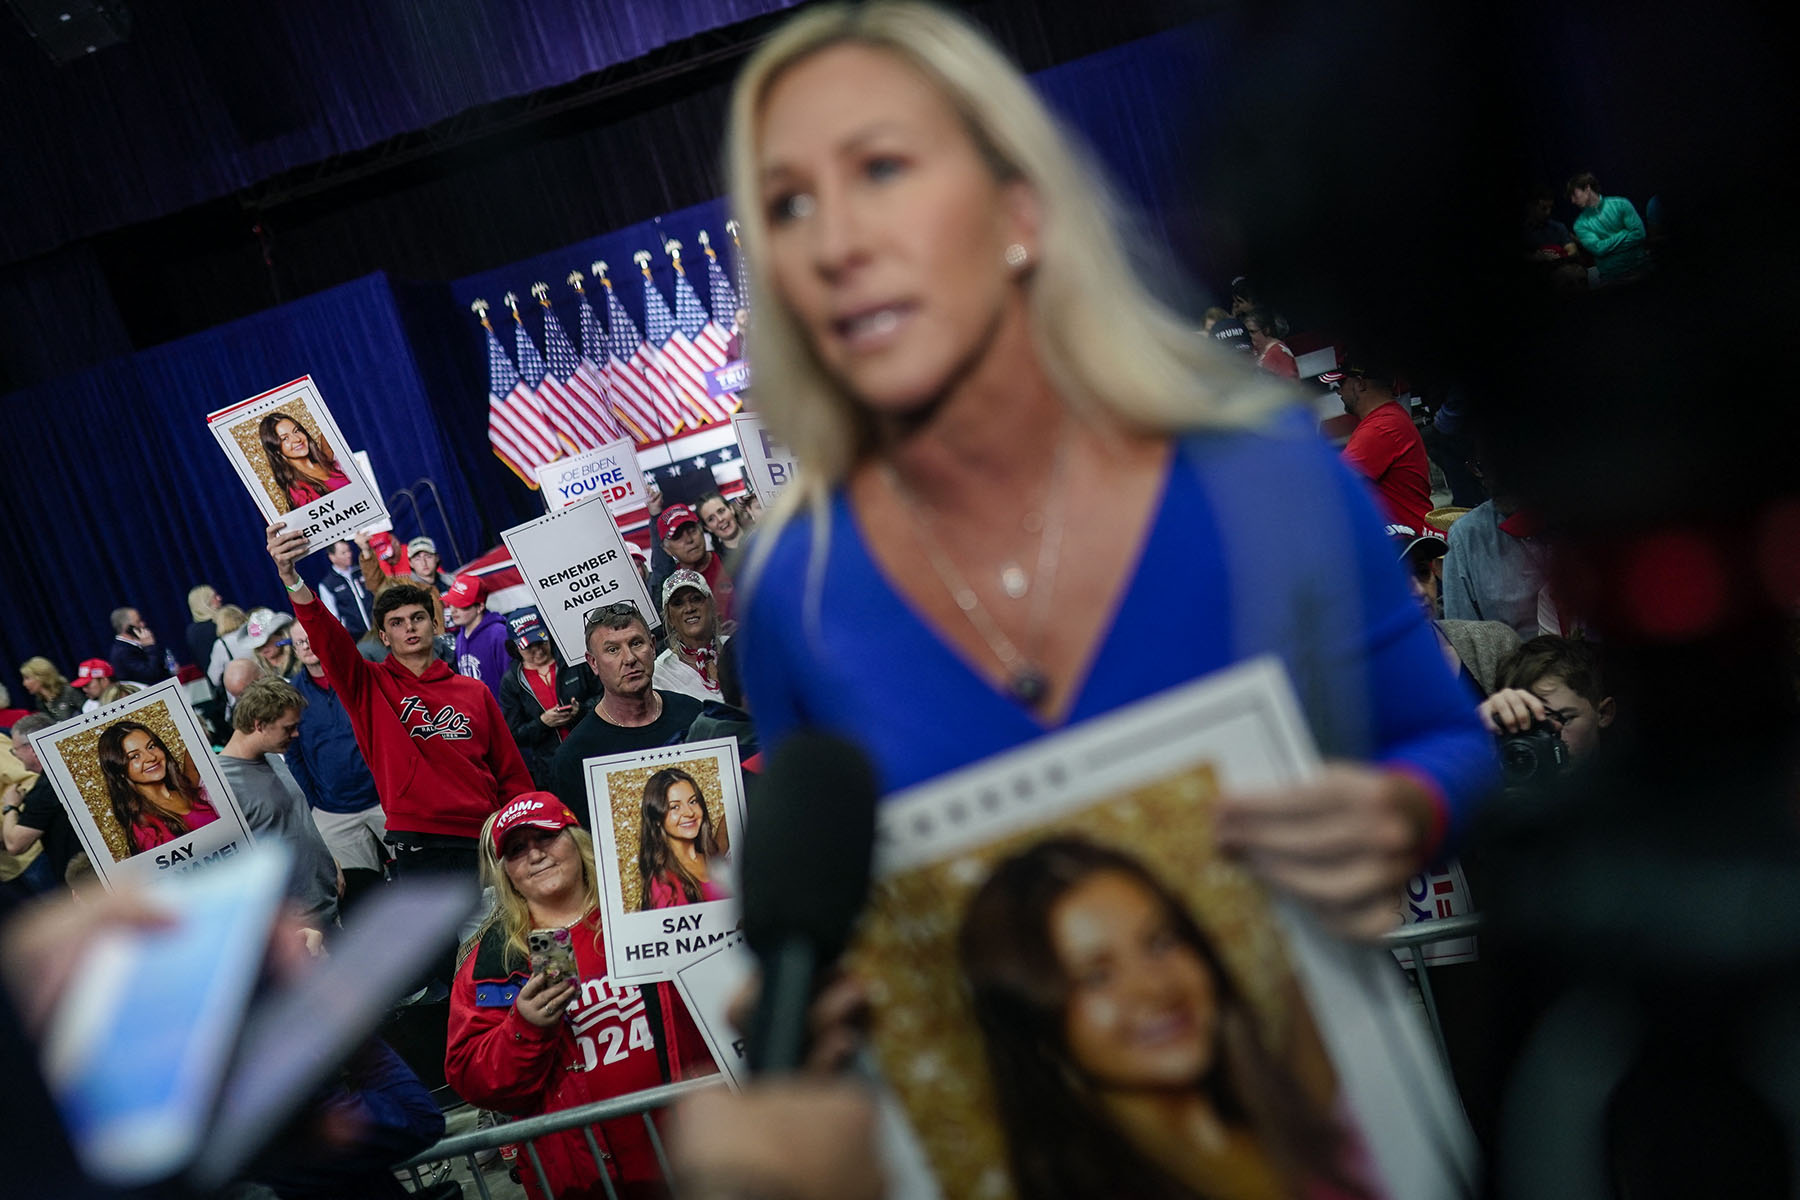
<point>1260,543</point>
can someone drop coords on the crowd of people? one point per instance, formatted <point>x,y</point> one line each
<point>1000,498</point>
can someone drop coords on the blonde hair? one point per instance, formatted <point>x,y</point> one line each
<point>200,602</point>
<point>44,671</point>
<point>1109,347</point>
<point>229,619</point>
<point>120,689</point>
<point>511,912</point>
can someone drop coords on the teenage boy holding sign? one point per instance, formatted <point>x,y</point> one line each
<point>440,751</point>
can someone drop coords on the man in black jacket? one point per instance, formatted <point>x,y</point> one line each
<point>135,654</point>
<point>343,591</point>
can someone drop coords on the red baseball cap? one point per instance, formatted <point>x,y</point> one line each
<point>91,669</point>
<point>464,593</point>
<point>673,518</point>
<point>540,810</point>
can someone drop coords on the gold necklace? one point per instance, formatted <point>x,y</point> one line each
<point>656,706</point>
<point>1026,680</point>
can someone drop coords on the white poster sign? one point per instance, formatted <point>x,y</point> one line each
<point>293,458</point>
<point>974,864</point>
<point>665,822</point>
<point>138,780</point>
<point>1440,891</point>
<point>574,561</point>
<point>768,464</point>
<point>610,473</point>
<point>384,525</point>
<point>708,986</point>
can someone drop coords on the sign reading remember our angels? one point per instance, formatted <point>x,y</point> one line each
<point>292,456</point>
<point>610,473</point>
<point>768,463</point>
<point>649,811</point>
<point>574,560</point>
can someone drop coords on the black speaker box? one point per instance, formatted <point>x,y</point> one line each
<point>72,29</point>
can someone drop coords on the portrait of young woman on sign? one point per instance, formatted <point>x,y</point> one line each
<point>679,843</point>
<point>304,468</point>
<point>154,797</point>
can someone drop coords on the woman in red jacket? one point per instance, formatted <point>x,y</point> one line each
<point>525,1043</point>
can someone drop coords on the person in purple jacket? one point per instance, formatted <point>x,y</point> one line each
<point>480,635</point>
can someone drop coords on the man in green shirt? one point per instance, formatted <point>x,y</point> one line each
<point>1608,228</point>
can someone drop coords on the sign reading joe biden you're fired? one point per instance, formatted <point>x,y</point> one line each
<point>609,473</point>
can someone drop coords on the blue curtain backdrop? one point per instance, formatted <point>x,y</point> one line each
<point>118,493</point>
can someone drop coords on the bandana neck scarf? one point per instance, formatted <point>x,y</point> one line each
<point>704,659</point>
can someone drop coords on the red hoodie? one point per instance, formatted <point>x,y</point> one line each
<point>440,751</point>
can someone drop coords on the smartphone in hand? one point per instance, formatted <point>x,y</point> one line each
<point>552,954</point>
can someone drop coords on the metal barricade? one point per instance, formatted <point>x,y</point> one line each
<point>644,1105</point>
<point>1412,938</point>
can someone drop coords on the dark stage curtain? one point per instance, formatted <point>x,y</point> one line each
<point>56,317</point>
<point>118,494</point>
<point>210,96</point>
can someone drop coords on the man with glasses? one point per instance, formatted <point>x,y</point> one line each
<point>632,713</point>
<point>1557,680</point>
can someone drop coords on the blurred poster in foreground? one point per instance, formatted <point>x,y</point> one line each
<point>1075,994</point>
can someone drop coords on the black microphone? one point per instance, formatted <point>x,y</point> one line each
<point>808,843</point>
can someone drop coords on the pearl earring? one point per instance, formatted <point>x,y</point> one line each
<point>1016,255</point>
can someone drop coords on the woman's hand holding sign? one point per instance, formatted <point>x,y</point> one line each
<point>1345,842</point>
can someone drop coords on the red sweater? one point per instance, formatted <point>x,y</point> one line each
<point>613,1041</point>
<point>1385,448</point>
<point>440,751</point>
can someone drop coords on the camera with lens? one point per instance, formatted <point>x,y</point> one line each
<point>1532,759</point>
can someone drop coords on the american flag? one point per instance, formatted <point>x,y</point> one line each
<point>718,287</point>
<point>592,368</point>
<point>592,425</point>
<point>633,370</point>
<point>706,334</point>
<point>516,430</point>
<point>685,363</point>
<point>742,274</point>
<point>531,375</point>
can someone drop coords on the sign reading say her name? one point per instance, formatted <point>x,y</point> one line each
<point>574,561</point>
<point>142,791</point>
<point>666,823</point>
<point>768,463</point>
<point>609,473</point>
<point>289,452</point>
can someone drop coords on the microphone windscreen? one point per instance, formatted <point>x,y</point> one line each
<point>808,844</point>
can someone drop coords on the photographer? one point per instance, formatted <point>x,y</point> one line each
<point>1553,680</point>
